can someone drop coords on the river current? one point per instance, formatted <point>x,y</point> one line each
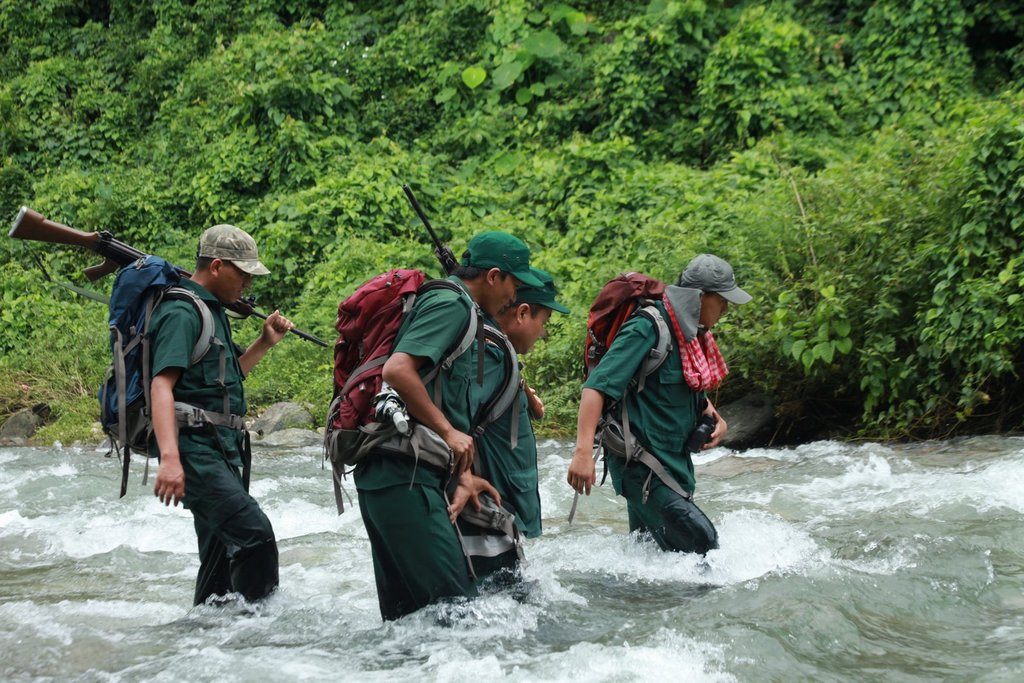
<point>837,562</point>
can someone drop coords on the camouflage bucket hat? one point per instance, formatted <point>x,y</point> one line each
<point>229,243</point>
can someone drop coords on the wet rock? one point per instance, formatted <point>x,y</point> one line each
<point>22,425</point>
<point>290,438</point>
<point>751,422</point>
<point>283,416</point>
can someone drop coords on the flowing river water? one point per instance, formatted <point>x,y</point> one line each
<point>837,562</point>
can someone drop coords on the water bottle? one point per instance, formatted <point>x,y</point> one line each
<point>389,407</point>
<point>701,434</point>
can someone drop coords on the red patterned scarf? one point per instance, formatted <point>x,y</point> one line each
<point>703,365</point>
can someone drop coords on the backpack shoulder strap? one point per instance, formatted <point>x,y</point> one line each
<point>206,332</point>
<point>662,344</point>
<point>502,400</point>
<point>470,333</point>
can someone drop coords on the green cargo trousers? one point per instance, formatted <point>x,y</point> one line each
<point>237,548</point>
<point>417,558</point>
<point>674,522</point>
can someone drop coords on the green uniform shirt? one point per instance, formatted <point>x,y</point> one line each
<point>513,471</point>
<point>661,416</point>
<point>431,330</point>
<point>174,329</point>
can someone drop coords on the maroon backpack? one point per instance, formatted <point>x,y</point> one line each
<point>618,300</point>
<point>368,322</point>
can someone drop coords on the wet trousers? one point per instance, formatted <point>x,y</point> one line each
<point>676,523</point>
<point>237,548</point>
<point>417,558</point>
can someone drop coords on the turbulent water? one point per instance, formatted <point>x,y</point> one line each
<point>838,562</point>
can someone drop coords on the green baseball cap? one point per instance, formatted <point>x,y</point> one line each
<point>229,243</point>
<point>496,249</point>
<point>543,295</point>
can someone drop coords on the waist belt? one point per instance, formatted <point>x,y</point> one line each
<point>188,415</point>
<point>423,445</point>
<point>615,443</point>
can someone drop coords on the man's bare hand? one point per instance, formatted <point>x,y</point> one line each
<point>720,427</point>
<point>275,327</point>
<point>534,404</point>
<point>463,449</point>
<point>469,490</point>
<point>170,481</point>
<point>582,473</point>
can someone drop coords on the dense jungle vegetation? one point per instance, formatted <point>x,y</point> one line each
<point>859,163</point>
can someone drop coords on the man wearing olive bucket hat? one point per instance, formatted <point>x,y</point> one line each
<point>659,419</point>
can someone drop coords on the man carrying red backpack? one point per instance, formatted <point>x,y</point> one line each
<point>417,556</point>
<point>652,419</point>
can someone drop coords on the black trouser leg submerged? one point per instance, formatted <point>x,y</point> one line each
<point>237,548</point>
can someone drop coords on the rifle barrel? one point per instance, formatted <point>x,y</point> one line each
<point>31,225</point>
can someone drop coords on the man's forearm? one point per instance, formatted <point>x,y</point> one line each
<point>253,355</point>
<point>162,407</point>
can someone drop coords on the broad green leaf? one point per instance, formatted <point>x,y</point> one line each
<point>544,44</point>
<point>473,76</point>
<point>507,163</point>
<point>445,95</point>
<point>507,74</point>
<point>824,351</point>
<point>523,96</point>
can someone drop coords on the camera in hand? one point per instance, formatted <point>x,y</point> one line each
<point>701,434</point>
<point>388,407</point>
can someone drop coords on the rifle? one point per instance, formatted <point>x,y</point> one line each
<point>31,225</point>
<point>441,250</point>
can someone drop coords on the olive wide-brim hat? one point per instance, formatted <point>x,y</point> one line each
<point>710,273</point>
<point>229,243</point>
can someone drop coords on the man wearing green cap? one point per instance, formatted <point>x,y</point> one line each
<point>417,556</point>
<point>197,409</point>
<point>652,422</point>
<point>507,453</point>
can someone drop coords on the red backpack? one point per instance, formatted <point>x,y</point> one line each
<point>616,303</point>
<point>368,322</point>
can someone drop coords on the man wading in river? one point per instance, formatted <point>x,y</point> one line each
<point>417,556</point>
<point>507,453</point>
<point>200,459</point>
<point>651,417</point>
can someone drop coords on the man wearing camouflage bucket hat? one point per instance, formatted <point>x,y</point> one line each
<point>198,430</point>
<point>507,453</point>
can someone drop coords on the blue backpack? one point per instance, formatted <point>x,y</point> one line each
<point>124,394</point>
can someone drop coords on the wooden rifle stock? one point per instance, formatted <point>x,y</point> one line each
<point>31,225</point>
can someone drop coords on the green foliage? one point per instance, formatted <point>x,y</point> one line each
<point>859,163</point>
<point>765,75</point>
<point>910,60</point>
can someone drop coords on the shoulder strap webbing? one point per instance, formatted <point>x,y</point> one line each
<point>206,332</point>
<point>662,344</point>
<point>502,400</point>
<point>470,334</point>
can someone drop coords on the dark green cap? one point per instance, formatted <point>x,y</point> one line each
<point>543,295</point>
<point>501,250</point>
